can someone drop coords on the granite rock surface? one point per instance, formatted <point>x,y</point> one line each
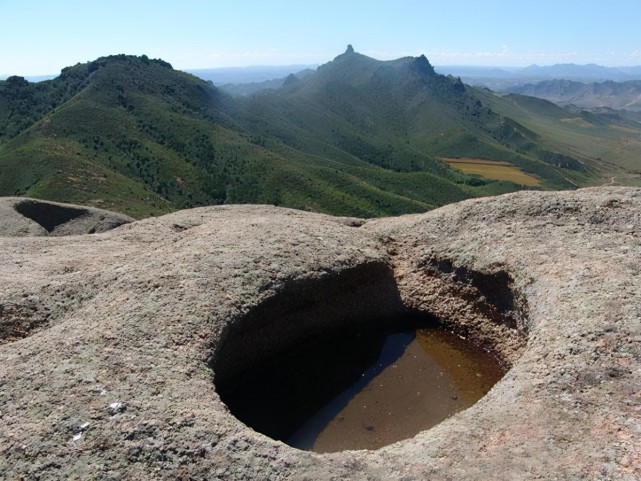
<point>112,341</point>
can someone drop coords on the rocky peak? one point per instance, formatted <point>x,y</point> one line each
<point>423,66</point>
<point>291,79</point>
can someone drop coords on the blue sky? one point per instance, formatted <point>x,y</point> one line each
<point>43,36</point>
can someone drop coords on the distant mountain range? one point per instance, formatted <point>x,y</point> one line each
<point>474,75</point>
<point>357,136</point>
<point>614,95</point>
<point>502,79</point>
<point>248,88</point>
<point>589,72</point>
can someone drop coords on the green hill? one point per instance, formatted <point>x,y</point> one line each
<point>357,137</point>
<point>606,141</point>
<point>399,115</point>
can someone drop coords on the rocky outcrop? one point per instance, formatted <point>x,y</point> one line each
<point>114,379</point>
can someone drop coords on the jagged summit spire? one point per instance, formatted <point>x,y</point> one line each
<point>350,49</point>
<point>422,65</point>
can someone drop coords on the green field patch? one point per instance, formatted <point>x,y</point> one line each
<point>578,121</point>
<point>490,169</point>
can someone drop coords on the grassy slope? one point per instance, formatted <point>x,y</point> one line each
<point>609,144</point>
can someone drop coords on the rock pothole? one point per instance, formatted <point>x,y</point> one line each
<point>293,366</point>
<point>48,215</point>
<point>305,309</point>
<point>24,217</point>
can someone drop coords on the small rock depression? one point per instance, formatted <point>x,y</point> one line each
<point>24,217</point>
<point>50,216</point>
<point>357,359</point>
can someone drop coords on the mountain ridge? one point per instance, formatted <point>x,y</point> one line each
<point>358,136</point>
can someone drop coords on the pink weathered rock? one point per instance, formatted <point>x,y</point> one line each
<point>147,314</point>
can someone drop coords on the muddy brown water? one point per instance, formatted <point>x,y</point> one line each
<point>364,390</point>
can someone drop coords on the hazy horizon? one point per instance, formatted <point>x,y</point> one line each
<point>297,67</point>
<point>48,36</point>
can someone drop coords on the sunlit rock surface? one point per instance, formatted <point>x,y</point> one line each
<point>111,340</point>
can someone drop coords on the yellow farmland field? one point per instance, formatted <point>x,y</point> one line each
<point>491,169</point>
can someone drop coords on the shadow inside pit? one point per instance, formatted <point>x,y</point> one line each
<point>279,364</point>
<point>48,215</point>
<point>280,395</point>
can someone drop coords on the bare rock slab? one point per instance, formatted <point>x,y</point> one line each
<point>112,342</point>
